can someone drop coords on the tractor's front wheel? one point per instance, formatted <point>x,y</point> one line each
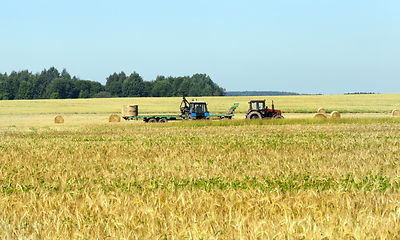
<point>278,117</point>
<point>254,115</point>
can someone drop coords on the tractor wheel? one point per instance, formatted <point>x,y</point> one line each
<point>186,115</point>
<point>190,117</point>
<point>254,115</point>
<point>278,117</point>
<point>163,120</point>
<point>152,120</point>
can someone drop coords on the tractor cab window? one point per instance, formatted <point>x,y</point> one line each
<point>198,107</point>
<point>257,105</point>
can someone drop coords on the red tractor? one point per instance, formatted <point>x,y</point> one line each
<point>258,110</point>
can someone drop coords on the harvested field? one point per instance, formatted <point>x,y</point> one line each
<point>359,103</point>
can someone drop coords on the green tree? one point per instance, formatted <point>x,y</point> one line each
<point>199,86</point>
<point>53,84</point>
<point>53,73</point>
<point>65,74</point>
<point>95,88</point>
<point>185,86</point>
<point>102,94</point>
<point>4,87</point>
<point>162,89</point>
<point>25,90</point>
<point>207,91</point>
<point>87,88</point>
<point>64,89</point>
<point>115,89</point>
<point>133,86</point>
<point>13,84</point>
<point>176,83</point>
<point>55,95</point>
<point>148,87</point>
<point>26,87</point>
<point>114,84</point>
<point>84,94</point>
<point>43,81</point>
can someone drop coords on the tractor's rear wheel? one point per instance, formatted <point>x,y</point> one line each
<point>190,117</point>
<point>254,115</point>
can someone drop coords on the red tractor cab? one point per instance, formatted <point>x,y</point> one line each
<point>258,110</point>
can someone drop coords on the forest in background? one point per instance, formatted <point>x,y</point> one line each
<point>52,84</point>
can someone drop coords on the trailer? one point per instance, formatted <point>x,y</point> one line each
<point>192,112</point>
<point>229,114</point>
<point>189,111</point>
<point>157,118</point>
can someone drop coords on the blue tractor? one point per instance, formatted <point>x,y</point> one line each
<point>198,110</point>
<point>194,110</point>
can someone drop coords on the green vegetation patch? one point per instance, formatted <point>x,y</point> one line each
<point>279,184</point>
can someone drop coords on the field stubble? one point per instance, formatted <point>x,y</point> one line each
<point>135,181</point>
<point>358,103</point>
<point>38,122</point>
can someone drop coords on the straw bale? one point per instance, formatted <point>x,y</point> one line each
<point>58,119</point>
<point>335,114</point>
<point>114,118</point>
<point>129,110</point>
<point>320,115</point>
<point>396,113</point>
<point>321,110</point>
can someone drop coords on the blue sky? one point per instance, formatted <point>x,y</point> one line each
<point>328,47</point>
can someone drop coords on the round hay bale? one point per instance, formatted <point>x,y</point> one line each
<point>320,115</point>
<point>129,111</point>
<point>321,110</point>
<point>335,114</point>
<point>114,118</point>
<point>396,113</point>
<point>58,119</point>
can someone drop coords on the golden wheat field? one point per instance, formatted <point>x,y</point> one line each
<point>297,178</point>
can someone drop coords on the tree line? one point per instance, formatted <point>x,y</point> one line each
<point>52,84</point>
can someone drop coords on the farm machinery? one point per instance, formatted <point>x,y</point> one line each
<point>258,110</point>
<point>193,110</point>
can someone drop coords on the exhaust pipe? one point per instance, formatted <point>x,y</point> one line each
<point>273,108</point>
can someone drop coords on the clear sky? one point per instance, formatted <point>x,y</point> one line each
<point>307,46</point>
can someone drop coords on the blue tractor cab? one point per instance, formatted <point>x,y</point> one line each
<point>198,110</point>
